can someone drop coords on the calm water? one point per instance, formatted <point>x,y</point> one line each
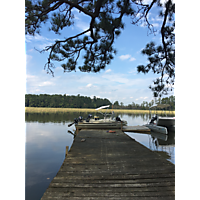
<point>47,137</point>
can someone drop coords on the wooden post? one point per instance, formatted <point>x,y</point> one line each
<point>66,152</point>
<point>77,131</point>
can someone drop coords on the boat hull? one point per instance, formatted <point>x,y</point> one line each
<point>100,125</point>
<point>166,121</point>
<point>158,129</point>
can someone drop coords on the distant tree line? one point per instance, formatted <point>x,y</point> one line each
<point>146,105</point>
<point>66,101</point>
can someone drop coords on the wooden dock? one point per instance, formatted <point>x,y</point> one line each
<point>136,129</point>
<point>103,165</point>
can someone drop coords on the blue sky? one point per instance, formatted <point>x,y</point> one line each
<point>118,82</point>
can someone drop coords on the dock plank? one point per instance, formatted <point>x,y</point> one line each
<point>137,129</point>
<point>111,166</point>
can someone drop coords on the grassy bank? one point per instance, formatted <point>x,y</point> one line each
<point>89,110</point>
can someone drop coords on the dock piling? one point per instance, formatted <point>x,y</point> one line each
<point>66,151</point>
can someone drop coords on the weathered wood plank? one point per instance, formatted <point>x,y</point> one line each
<point>111,166</point>
<point>63,175</point>
<point>85,191</point>
<point>144,180</point>
<point>137,129</point>
<point>114,185</point>
<point>169,197</point>
<point>111,194</point>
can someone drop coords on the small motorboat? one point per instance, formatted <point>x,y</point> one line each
<point>111,122</point>
<point>159,129</point>
<point>161,124</point>
<point>168,122</point>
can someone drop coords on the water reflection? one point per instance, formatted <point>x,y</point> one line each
<point>45,152</point>
<point>49,117</point>
<point>47,136</point>
<point>158,142</point>
<point>164,144</point>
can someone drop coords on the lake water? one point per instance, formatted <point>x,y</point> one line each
<point>47,136</point>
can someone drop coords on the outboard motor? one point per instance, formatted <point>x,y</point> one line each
<point>88,118</point>
<point>153,119</point>
<point>118,119</point>
<point>80,118</point>
<point>75,120</point>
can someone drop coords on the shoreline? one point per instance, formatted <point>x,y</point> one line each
<point>92,110</point>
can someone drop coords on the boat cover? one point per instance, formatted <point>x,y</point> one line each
<point>102,107</point>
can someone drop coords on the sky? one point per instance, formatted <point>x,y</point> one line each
<point>118,82</point>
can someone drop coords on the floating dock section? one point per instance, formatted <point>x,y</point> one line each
<point>103,165</point>
<point>136,129</point>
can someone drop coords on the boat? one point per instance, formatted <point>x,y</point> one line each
<point>159,129</point>
<point>107,122</point>
<point>168,122</point>
<point>159,123</point>
<point>99,124</point>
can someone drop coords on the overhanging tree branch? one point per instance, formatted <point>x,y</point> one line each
<point>77,6</point>
<point>163,27</point>
<point>49,65</point>
<point>105,25</point>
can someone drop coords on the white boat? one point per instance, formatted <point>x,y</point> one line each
<point>161,124</point>
<point>159,129</point>
<point>168,122</point>
<point>111,122</point>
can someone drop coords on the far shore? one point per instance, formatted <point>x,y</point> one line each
<point>91,110</point>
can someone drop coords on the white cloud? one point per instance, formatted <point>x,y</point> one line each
<point>36,37</point>
<point>46,83</point>
<point>126,57</point>
<point>113,86</point>
<point>143,98</point>
<point>40,42</point>
<point>132,59</point>
<point>155,25</point>
<point>38,84</point>
<point>82,23</point>
<point>146,1</point>
<point>29,77</point>
<point>108,70</point>
<point>116,78</point>
<point>89,85</point>
<point>133,71</point>
<point>28,58</point>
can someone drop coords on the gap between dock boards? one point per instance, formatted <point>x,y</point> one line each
<point>103,165</point>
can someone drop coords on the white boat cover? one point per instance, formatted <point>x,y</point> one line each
<point>160,106</point>
<point>102,107</point>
